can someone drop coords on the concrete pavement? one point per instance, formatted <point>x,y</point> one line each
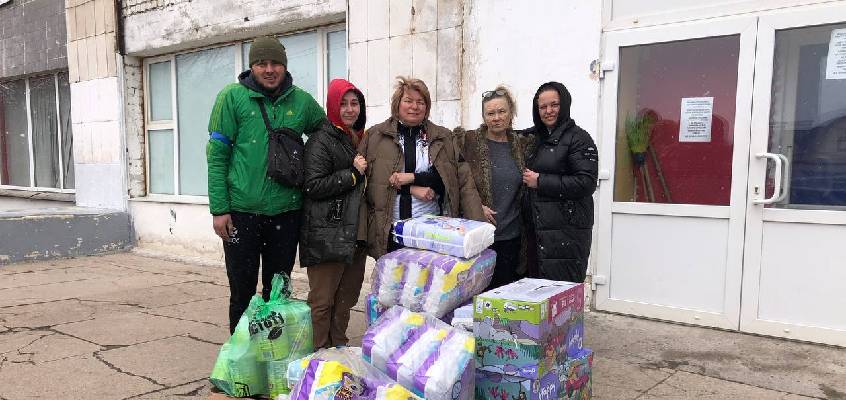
<point>128,326</point>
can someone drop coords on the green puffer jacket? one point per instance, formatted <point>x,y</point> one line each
<point>237,149</point>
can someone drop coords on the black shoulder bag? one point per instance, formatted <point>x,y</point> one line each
<point>285,150</point>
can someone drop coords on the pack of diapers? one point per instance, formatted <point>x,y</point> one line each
<point>429,282</point>
<point>341,373</point>
<point>425,355</point>
<point>454,236</point>
<point>388,334</point>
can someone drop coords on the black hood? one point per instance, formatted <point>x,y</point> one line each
<point>563,114</point>
<point>246,79</point>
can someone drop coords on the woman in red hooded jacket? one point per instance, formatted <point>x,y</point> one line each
<point>333,188</point>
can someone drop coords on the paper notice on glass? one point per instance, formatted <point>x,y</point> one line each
<point>835,64</point>
<point>695,124</point>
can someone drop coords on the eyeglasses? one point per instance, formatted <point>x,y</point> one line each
<point>492,93</point>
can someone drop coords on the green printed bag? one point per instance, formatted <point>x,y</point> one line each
<point>237,370</point>
<point>268,336</point>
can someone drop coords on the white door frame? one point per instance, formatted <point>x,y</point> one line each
<point>757,214</point>
<point>746,27</point>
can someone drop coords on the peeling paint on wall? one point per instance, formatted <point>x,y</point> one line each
<point>175,25</point>
<point>51,235</point>
<point>134,125</point>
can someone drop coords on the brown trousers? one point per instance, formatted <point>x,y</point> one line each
<point>333,291</point>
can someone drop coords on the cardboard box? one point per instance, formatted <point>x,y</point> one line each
<point>525,357</point>
<point>494,386</point>
<point>535,309</point>
<point>576,377</point>
<point>571,380</point>
<point>528,327</point>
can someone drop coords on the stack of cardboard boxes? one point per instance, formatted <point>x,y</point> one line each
<point>529,342</point>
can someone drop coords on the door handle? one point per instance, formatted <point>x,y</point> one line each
<point>785,176</point>
<point>777,192</point>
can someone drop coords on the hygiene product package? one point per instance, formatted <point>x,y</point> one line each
<point>372,308</point>
<point>426,355</point>
<point>528,327</point>
<point>428,282</point>
<point>462,317</point>
<point>575,376</point>
<point>494,386</point>
<point>454,236</point>
<point>341,373</point>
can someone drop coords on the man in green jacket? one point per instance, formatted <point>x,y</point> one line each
<point>256,217</point>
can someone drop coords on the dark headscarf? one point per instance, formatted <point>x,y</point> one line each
<point>564,111</point>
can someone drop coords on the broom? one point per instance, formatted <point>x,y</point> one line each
<point>638,130</point>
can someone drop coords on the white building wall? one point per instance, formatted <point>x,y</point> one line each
<point>524,44</point>
<point>180,230</point>
<point>419,38</point>
<point>623,14</point>
<point>154,27</point>
<point>96,114</point>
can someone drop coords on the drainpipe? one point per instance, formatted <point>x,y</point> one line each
<point>120,45</point>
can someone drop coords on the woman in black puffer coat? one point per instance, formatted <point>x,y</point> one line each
<point>334,190</point>
<point>561,174</point>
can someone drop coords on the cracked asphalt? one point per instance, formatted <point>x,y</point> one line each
<point>130,326</point>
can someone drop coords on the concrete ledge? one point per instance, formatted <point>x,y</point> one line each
<point>39,234</point>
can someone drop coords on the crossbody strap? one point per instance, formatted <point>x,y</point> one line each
<point>264,116</point>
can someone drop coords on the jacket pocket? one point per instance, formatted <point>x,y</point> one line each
<point>336,211</point>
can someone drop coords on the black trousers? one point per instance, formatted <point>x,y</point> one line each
<point>507,262</point>
<point>259,239</point>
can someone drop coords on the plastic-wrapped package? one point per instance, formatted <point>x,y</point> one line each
<point>404,363</point>
<point>428,282</point>
<point>269,334</point>
<point>389,280</point>
<point>462,317</point>
<point>236,370</point>
<point>373,309</point>
<point>454,236</point>
<point>341,373</point>
<point>277,380</point>
<point>388,334</point>
<point>443,377</point>
<point>426,355</point>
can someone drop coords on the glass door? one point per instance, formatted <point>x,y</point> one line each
<point>675,140</point>
<point>795,276</point>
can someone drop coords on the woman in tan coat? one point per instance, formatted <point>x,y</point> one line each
<point>414,168</point>
<point>496,155</point>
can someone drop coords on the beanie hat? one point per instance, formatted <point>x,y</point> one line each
<point>268,48</point>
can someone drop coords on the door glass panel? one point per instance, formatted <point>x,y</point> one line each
<point>808,116</point>
<point>675,129</point>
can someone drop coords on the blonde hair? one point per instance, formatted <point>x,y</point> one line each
<point>403,84</point>
<point>509,98</point>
